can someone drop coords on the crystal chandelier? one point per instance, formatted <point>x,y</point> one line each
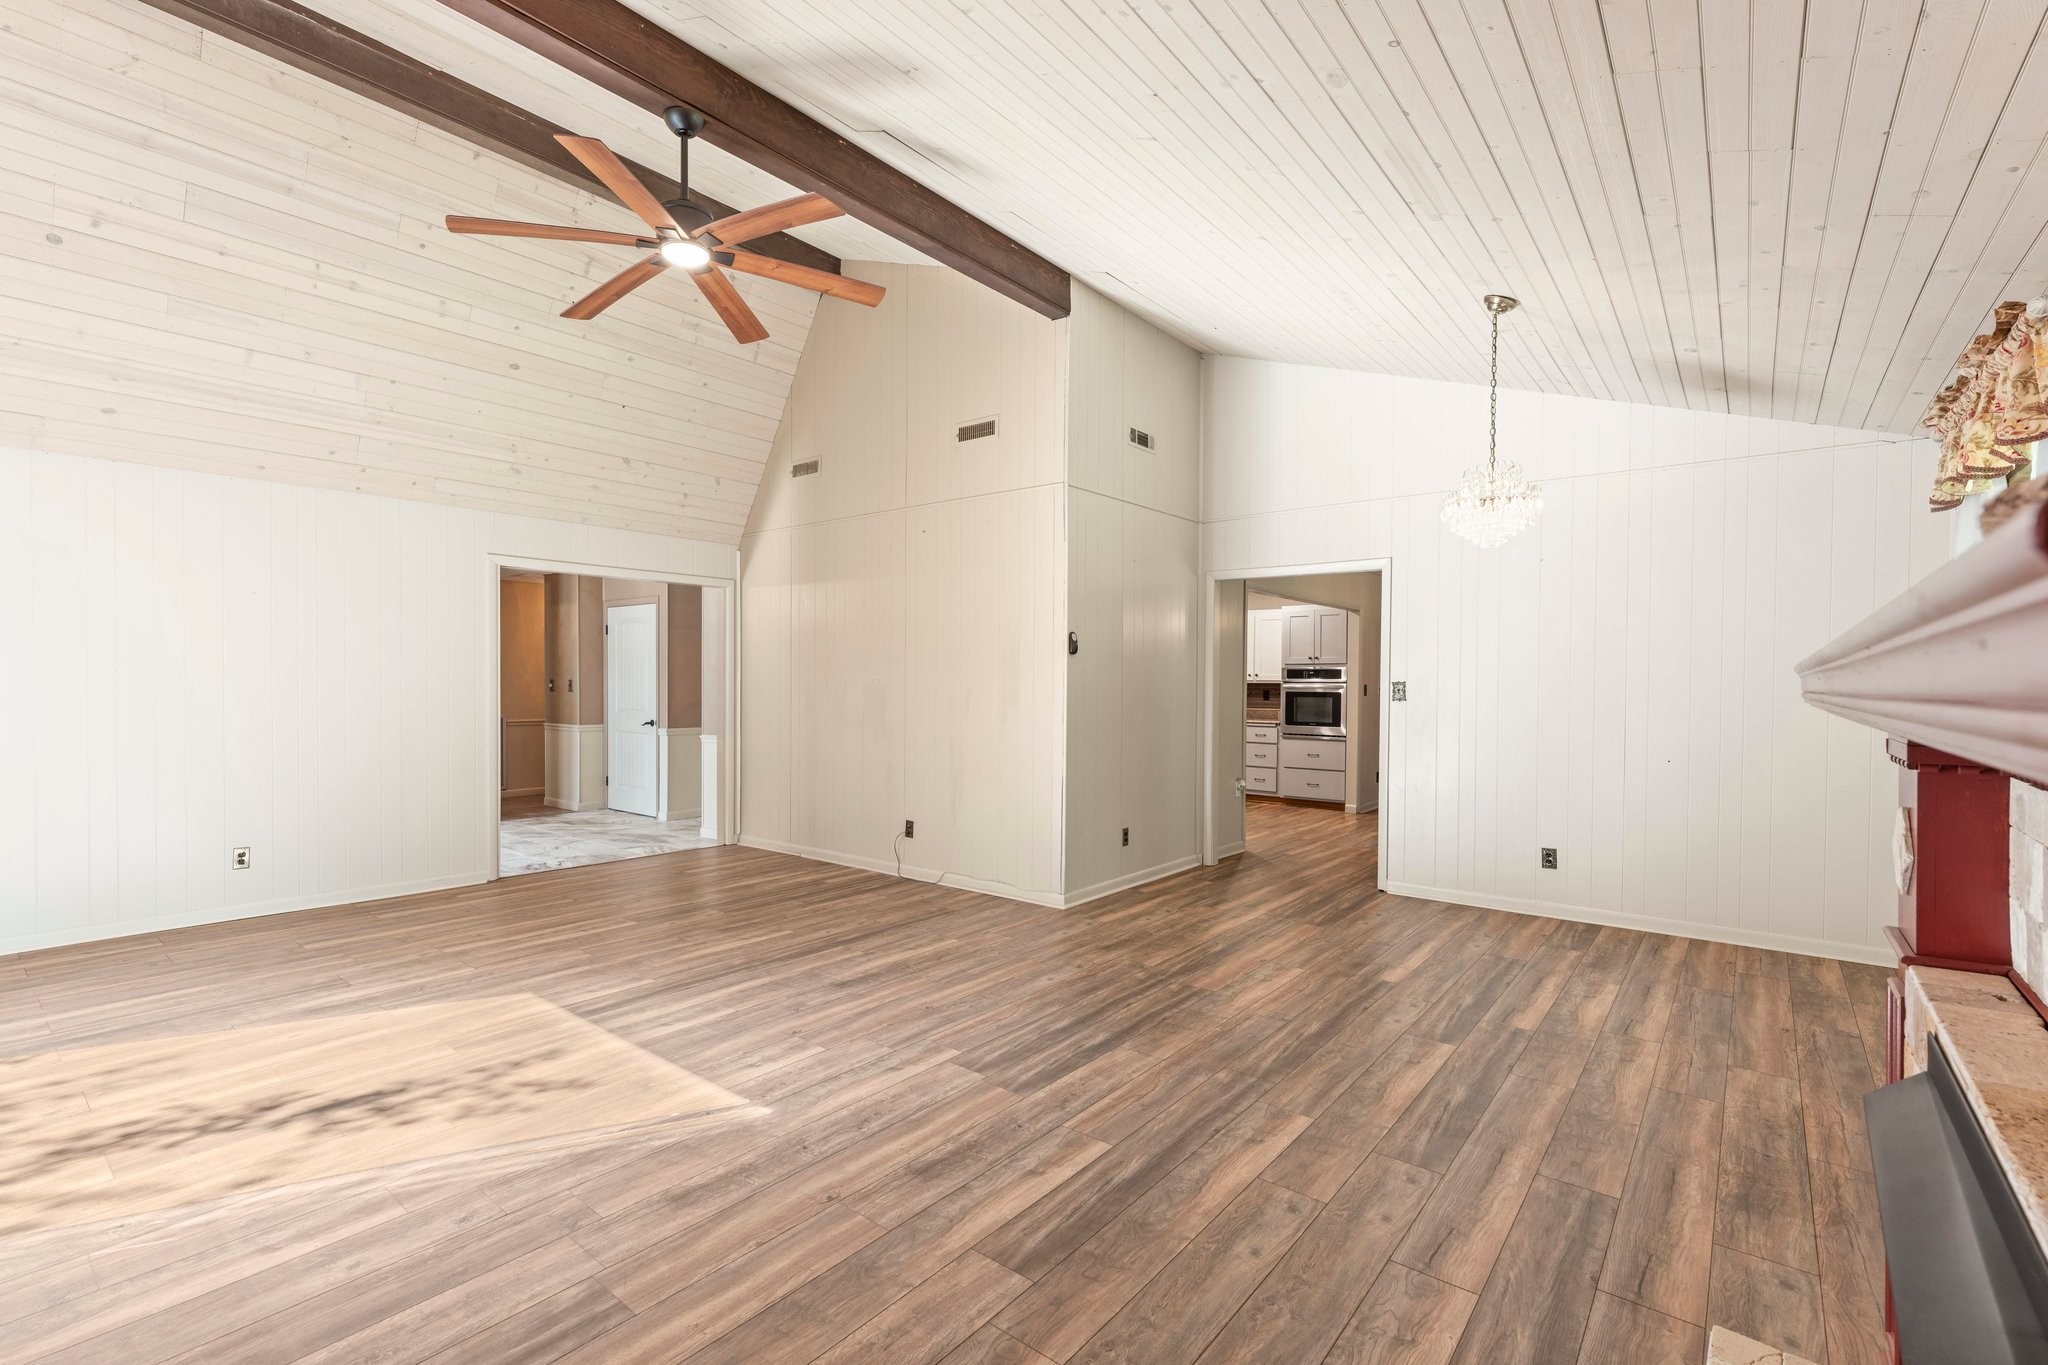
<point>1495,501</point>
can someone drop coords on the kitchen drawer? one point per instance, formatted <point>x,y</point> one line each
<point>1262,779</point>
<point>1262,734</point>
<point>1312,753</point>
<point>1312,784</point>
<point>1261,755</point>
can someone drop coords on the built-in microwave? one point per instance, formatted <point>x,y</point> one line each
<point>1312,702</point>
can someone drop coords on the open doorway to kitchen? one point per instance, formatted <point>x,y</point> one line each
<point>1296,755</point>
<point>610,718</point>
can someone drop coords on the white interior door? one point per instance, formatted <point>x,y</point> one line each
<point>632,696</point>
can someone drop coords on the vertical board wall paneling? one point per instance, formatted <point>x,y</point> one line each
<point>955,569</point>
<point>213,662</point>
<point>1134,597</point>
<point>901,608</point>
<point>1615,683</point>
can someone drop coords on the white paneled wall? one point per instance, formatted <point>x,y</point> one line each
<point>900,610</point>
<point>197,662</point>
<point>1134,690</point>
<point>903,611</point>
<point>1616,683</point>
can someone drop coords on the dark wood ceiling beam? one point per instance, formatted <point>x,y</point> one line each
<point>644,63</point>
<point>336,53</point>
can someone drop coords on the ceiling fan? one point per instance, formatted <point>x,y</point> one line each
<point>686,237</point>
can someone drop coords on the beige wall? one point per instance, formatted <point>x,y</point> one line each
<point>575,649</point>
<point>590,651</point>
<point>685,657</point>
<point>522,681</point>
<point>522,660</point>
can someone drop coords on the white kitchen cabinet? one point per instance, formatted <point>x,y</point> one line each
<point>1314,635</point>
<point>1327,754</point>
<point>1262,645</point>
<point>1311,784</point>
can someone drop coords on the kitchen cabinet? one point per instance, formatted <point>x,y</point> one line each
<point>1327,754</point>
<point>1262,631</point>
<point>1314,635</point>
<point>1262,758</point>
<point>1311,784</point>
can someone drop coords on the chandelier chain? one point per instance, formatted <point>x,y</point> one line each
<point>1493,393</point>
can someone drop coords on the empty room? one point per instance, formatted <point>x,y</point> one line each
<point>910,683</point>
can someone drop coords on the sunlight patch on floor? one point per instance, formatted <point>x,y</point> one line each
<point>127,1128</point>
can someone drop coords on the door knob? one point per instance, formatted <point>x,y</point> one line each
<point>647,722</point>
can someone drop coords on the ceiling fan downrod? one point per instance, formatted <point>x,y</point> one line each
<point>686,124</point>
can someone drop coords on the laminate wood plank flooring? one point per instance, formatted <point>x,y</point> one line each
<point>735,1106</point>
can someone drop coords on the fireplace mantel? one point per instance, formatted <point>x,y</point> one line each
<point>1957,662</point>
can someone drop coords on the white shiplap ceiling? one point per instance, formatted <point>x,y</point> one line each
<point>211,260</point>
<point>1755,206</point>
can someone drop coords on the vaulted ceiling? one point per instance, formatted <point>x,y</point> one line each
<point>212,260</point>
<point>1760,207</point>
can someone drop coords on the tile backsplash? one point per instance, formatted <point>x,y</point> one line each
<point>2029,835</point>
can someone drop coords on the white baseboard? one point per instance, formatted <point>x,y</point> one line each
<point>223,914</point>
<point>573,806</point>
<point>1126,882</point>
<point>1230,850</point>
<point>911,872</point>
<point>523,791</point>
<point>1713,933</point>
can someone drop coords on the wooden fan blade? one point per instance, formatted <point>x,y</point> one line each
<point>499,227</point>
<point>718,290</point>
<point>820,281</point>
<point>599,160</point>
<point>779,216</point>
<point>616,288</point>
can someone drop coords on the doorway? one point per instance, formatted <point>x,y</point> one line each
<point>1297,756</point>
<point>612,718</point>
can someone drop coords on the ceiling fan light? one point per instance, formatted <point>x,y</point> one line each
<point>686,254</point>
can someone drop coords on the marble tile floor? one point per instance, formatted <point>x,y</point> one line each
<point>556,838</point>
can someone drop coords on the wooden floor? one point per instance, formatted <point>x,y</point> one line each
<point>1252,1113</point>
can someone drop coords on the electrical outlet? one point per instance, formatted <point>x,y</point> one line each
<point>1127,836</point>
<point>238,860</point>
<point>1400,691</point>
<point>1550,860</point>
<point>910,829</point>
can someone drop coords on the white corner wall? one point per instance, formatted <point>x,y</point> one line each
<point>1134,690</point>
<point>197,662</point>
<point>900,610</point>
<point>1616,683</point>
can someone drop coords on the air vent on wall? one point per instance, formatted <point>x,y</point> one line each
<point>1141,439</point>
<point>803,467</point>
<point>974,431</point>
